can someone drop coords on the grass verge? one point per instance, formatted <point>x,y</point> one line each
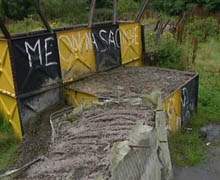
<point>188,148</point>
<point>8,143</point>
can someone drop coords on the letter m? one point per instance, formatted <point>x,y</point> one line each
<point>36,48</point>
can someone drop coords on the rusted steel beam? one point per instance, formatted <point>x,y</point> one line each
<point>181,20</point>
<point>91,15</point>
<point>4,30</point>
<point>165,25</point>
<point>43,18</point>
<point>114,16</point>
<point>140,14</point>
<point>139,146</point>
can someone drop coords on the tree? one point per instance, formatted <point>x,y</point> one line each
<point>16,9</point>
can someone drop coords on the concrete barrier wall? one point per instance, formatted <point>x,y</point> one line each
<point>35,67</point>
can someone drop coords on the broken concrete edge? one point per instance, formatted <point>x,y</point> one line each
<point>145,155</point>
<point>152,163</point>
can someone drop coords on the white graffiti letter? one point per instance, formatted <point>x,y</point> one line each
<point>185,97</point>
<point>116,38</point>
<point>136,35</point>
<point>27,47</point>
<point>102,38</point>
<point>48,53</point>
<point>94,42</point>
<point>88,42</point>
<point>111,39</point>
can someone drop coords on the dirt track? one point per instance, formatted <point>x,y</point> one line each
<point>37,137</point>
<point>82,148</point>
<point>131,82</point>
<point>83,145</point>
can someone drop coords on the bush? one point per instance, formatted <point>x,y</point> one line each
<point>27,25</point>
<point>169,55</point>
<point>102,14</point>
<point>172,7</point>
<point>126,7</point>
<point>176,7</point>
<point>202,28</point>
<point>16,9</point>
<point>67,11</point>
<point>212,5</point>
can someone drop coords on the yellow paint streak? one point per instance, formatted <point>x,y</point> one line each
<point>9,107</point>
<point>6,77</point>
<point>131,42</point>
<point>77,54</point>
<point>77,98</point>
<point>173,108</point>
<point>8,102</point>
<point>137,63</point>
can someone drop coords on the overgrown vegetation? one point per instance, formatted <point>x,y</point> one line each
<point>193,46</point>
<point>8,142</point>
<point>203,28</point>
<point>169,55</point>
<point>176,7</point>
<point>187,148</point>
<point>15,9</point>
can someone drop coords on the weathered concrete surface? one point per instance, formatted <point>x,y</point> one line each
<point>85,141</point>
<point>210,168</point>
<point>30,107</point>
<point>152,163</point>
<point>137,163</point>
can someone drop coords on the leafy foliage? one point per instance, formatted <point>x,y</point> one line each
<point>16,9</point>
<point>202,28</point>
<point>66,10</point>
<point>169,55</point>
<point>213,5</point>
<point>127,6</point>
<point>176,7</point>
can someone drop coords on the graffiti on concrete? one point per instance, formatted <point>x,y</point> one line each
<point>36,62</point>
<point>107,47</point>
<point>189,100</point>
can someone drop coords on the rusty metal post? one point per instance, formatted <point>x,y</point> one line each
<point>4,30</point>
<point>140,14</point>
<point>44,20</point>
<point>114,16</point>
<point>91,15</point>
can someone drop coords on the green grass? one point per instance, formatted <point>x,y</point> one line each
<point>8,143</point>
<point>208,65</point>
<point>188,149</point>
<point>32,23</point>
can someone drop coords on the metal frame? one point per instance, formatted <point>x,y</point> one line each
<point>4,30</point>
<point>114,15</point>
<point>91,15</point>
<point>140,14</point>
<point>90,23</point>
<point>44,20</point>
